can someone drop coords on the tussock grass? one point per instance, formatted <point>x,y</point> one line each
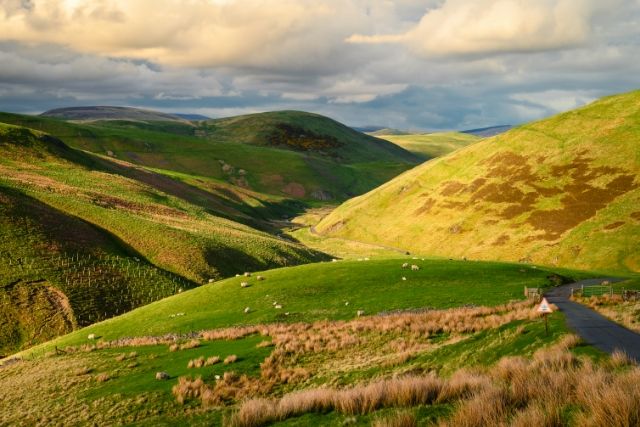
<point>516,391</point>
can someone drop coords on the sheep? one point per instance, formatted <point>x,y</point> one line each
<point>244,284</point>
<point>259,278</point>
<point>247,274</point>
<point>212,280</point>
<point>346,303</point>
<point>360,313</point>
<point>405,265</point>
<point>414,267</point>
<point>278,306</point>
<point>404,278</point>
<point>247,310</point>
<point>161,376</point>
<point>92,336</point>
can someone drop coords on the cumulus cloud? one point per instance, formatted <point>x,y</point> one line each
<point>417,64</point>
<point>462,27</point>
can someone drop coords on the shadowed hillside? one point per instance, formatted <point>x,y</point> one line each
<point>83,238</point>
<point>561,191</point>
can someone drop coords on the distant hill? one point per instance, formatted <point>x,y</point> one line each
<point>304,132</point>
<point>488,131</point>
<point>295,155</point>
<point>561,191</point>
<point>110,113</point>
<point>388,131</point>
<point>192,117</point>
<point>83,238</point>
<point>431,145</point>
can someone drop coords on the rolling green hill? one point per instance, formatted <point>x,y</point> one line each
<point>561,191</point>
<point>301,332</point>
<point>287,154</point>
<point>328,290</point>
<point>431,145</point>
<point>83,237</point>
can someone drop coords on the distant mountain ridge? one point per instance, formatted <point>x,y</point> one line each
<point>488,131</point>
<point>90,113</point>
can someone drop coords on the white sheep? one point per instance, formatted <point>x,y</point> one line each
<point>278,306</point>
<point>259,278</point>
<point>244,284</point>
<point>405,265</point>
<point>161,376</point>
<point>212,280</point>
<point>247,274</point>
<point>360,313</point>
<point>404,278</point>
<point>92,336</point>
<point>414,267</point>
<point>247,310</point>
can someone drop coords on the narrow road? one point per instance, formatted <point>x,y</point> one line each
<point>591,326</point>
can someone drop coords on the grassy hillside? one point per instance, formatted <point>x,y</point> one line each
<point>431,145</point>
<point>83,238</point>
<point>561,191</point>
<point>330,290</point>
<point>306,132</point>
<point>286,154</point>
<point>110,113</point>
<point>406,333</point>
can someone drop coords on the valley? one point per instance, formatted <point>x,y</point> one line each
<point>154,271</point>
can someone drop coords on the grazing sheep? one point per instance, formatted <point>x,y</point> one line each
<point>360,313</point>
<point>247,274</point>
<point>334,260</point>
<point>366,259</point>
<point>247,310</point>
<point>212,280</point>
<point>404,278</point>
<point>237,275</point>
<point>405,265</point>
<point>346,303</point>
<point>414,267</point>
<point>92,336</point>
<point>278,306</point>
<point>275,303</point>
<point>244,284</point>
<point>162,376</point>
<point>287,313</point>
<point>259,278</point>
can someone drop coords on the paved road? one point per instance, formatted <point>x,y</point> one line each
<point>593,327</point>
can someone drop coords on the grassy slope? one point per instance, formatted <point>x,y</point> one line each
<point>133,395</point>
<point>561,191</point>
<point>321,291</point>
<point>59,202</point>
<point>430,145</point>
<point>361,162</point>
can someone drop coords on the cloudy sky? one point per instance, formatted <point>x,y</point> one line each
<point>411,64</point>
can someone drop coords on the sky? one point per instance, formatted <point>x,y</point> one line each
<point>407,64</point>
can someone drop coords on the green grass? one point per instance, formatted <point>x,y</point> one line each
<point>220,149</point>
<point>58,202</point>
<point>431,145</point>
<point>320,291</point>
<point>563,191</point>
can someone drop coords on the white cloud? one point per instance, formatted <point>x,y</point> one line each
<point>463,27</point>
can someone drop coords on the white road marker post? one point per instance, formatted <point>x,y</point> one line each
<point>545,309</point>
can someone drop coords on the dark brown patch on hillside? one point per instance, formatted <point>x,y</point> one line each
<point>636,215</point>
<point>515,186</point>
<point>614,225</point>
<point>301,139</point>
<point>502,240</point>
<point>426,207</point>
<point>451,187</point>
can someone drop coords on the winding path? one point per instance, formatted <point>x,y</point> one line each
<point>593,327</point>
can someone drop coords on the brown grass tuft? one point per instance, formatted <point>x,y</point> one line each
<point>230,359</point>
